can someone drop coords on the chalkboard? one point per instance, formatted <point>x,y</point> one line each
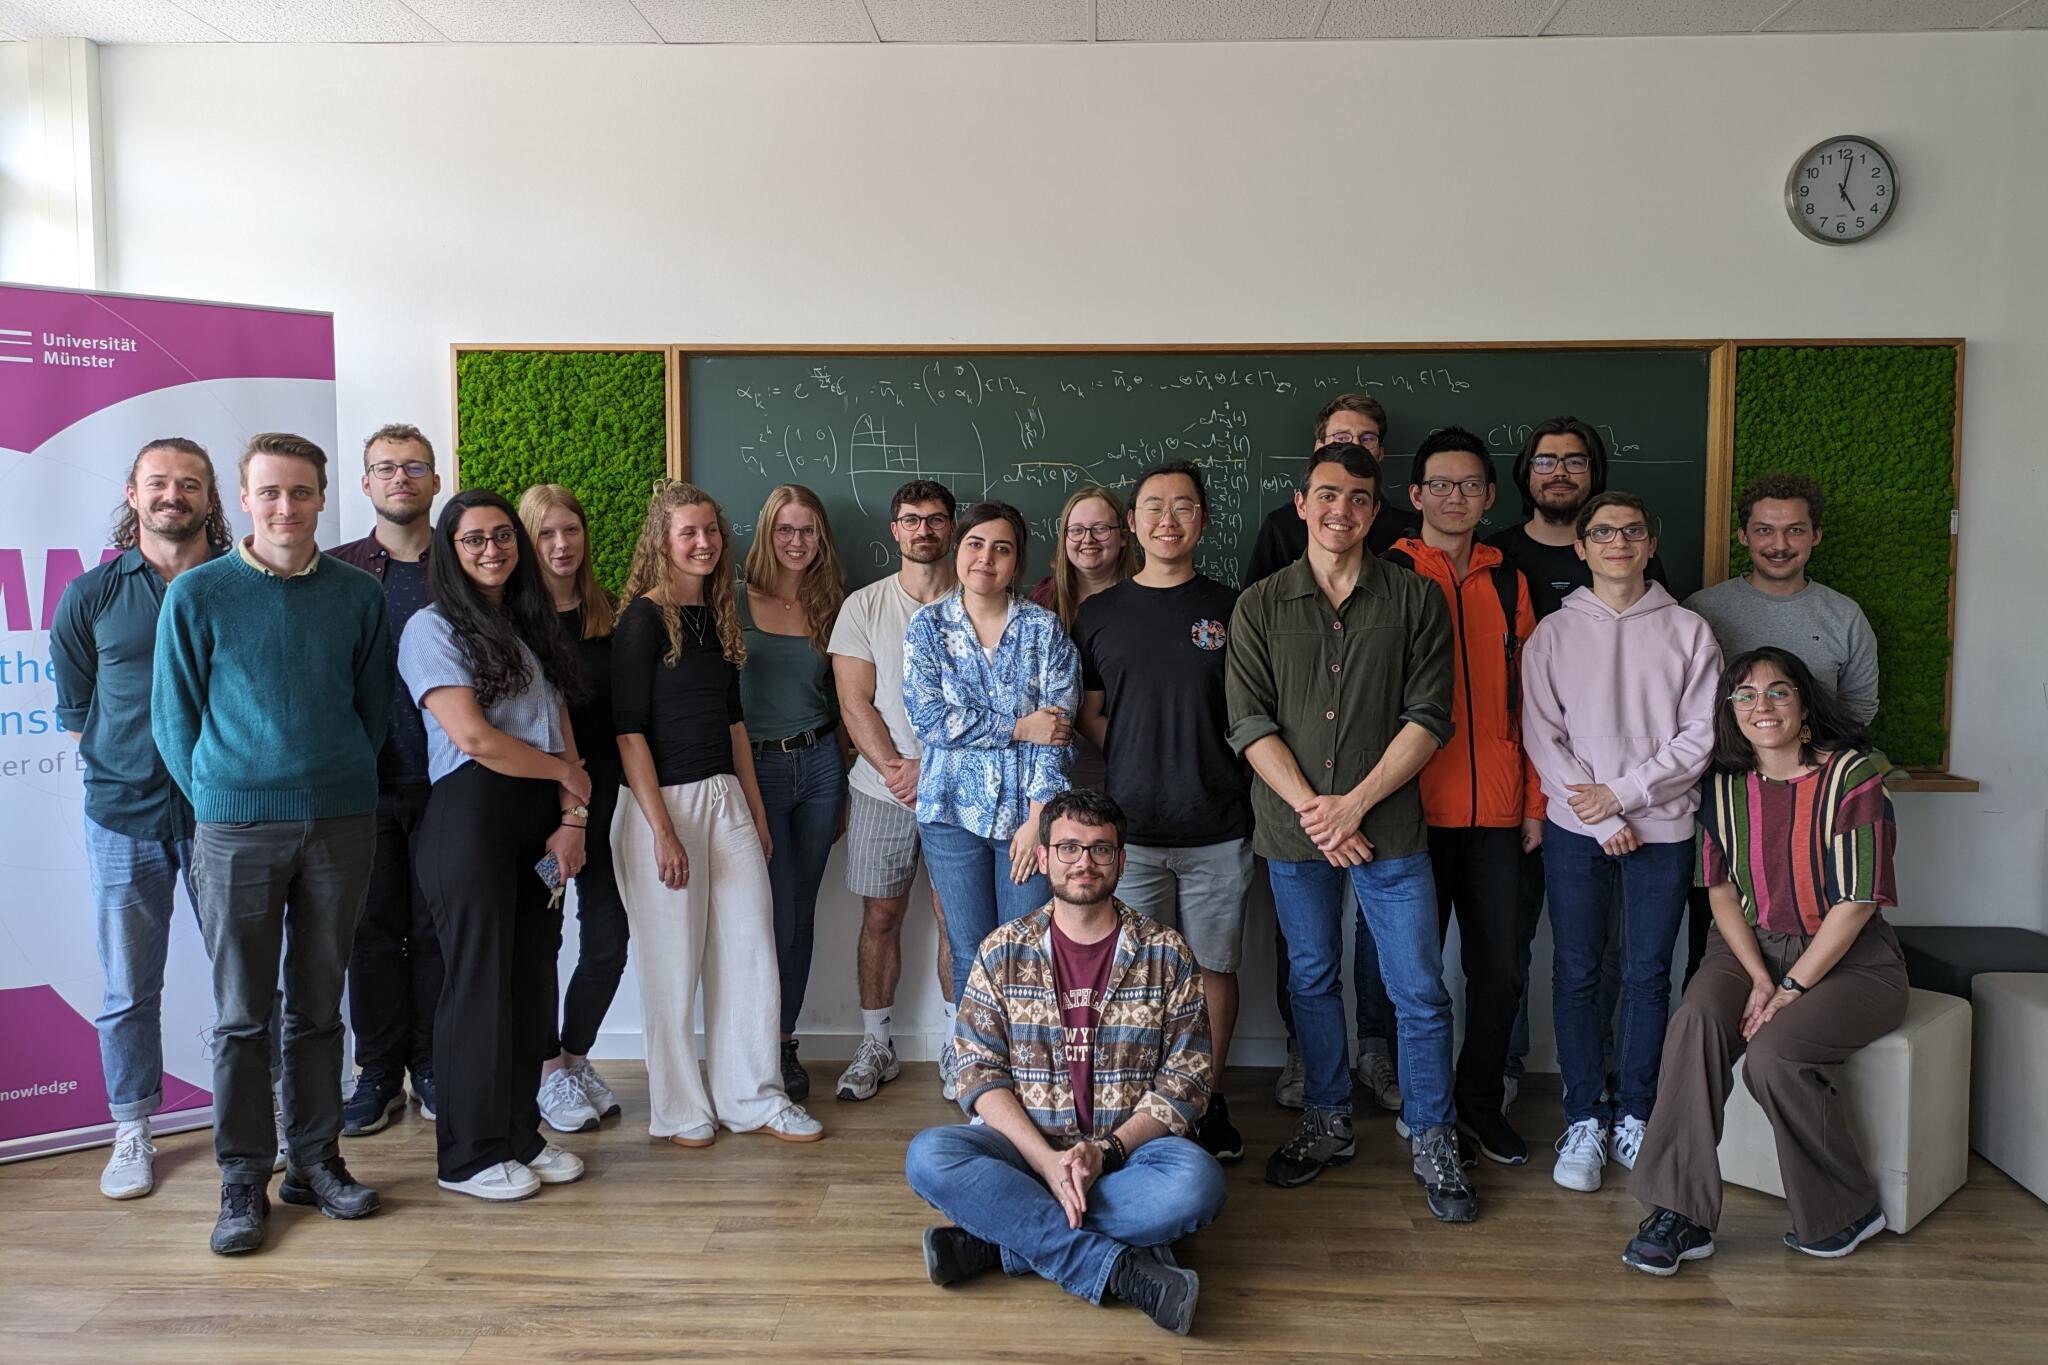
<point>1030,427</point>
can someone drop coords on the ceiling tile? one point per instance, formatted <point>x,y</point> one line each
<point>1623,18</point>
<point>535,21</point>
<point>1183,21</point>
<point>330,21</point>
<point>752,21</point>
<point>1887,16</point>
<point>2034,15</point>
<point>982,21</point>
<point>1434,18</point>
<point>105,21</point>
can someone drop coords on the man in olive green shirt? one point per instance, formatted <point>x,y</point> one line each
<point>1339,686</point>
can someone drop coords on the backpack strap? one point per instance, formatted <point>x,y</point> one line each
<point>1400,557</point>
<point>1507,581</point>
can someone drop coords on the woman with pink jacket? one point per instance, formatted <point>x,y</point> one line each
<point>1618,718</point>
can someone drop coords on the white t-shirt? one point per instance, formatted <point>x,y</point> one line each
<point>872,623</point>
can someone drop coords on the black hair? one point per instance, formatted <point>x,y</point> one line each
<point>922,490</point>
<point>1358,462</point>
<point>490,633</point>
<point>1160,471</point>
<point>1450,438</point>
<point>1596,455</point>
<point>1086,805</point>
<point>1829,727</point>
<point>992,511</point>
<point>1780,488</point>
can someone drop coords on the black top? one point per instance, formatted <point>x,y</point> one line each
<point>403,759</point>
<point>591,721</point>
<point>1553,571</point>
<point>686,709</point>
<point>1283,537</point>
<point>1156,655</point>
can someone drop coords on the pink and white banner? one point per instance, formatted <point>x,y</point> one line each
<point>85,381</point>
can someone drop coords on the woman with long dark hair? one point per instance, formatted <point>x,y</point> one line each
<point>1795,850</point>
<point>491,670</point>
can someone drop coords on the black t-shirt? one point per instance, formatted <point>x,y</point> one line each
<point>1283,537</point>
<point>1156,655</point>
<point>686,709</point>
<point>591,720</point>
<point>403,759</point>
<point>1553,571</point>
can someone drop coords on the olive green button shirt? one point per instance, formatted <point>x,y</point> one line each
<point>1337,685</point>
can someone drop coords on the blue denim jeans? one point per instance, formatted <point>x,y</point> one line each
<point>972,878</point>
<point>134,884</point>
<point>970,1173</point>
<point>1398,898</point>
<point>803,792</point>
<point>1375,1010</point>
<point>1580,877</point>
<point>1610,969</point>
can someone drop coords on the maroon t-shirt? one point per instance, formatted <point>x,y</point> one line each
<point>1080,973</point>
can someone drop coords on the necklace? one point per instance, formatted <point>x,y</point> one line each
<point>695,618</point>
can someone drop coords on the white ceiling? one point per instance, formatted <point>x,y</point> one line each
<point>972,21</point>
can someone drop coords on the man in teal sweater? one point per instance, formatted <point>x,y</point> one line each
<point>273,673</point>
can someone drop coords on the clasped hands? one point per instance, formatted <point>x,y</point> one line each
<point>1332,825</point>
<point>1069,1175</point>
<point>1593,802</point>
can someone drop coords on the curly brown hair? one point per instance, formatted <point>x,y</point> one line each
<point>127,531</point>
<point>653,573</point>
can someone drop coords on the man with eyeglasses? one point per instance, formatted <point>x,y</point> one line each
<point>1354,417</point>
<point>1078,1166</point>
<point>881,822</point>
<point>394,972</point>
<point>1153,698</point>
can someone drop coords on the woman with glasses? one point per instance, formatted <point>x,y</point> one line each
<point>1796,837</point>
<point>1094,552</point>
<point>1618,719</point>
<point>793,590</point>
<point>490,668</point>
<point>991,685</point>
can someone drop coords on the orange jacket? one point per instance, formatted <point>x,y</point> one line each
<point>1480,777</point>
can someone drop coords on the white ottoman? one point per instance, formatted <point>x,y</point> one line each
<point>2009,1086</point>
<point>1908,1100</point>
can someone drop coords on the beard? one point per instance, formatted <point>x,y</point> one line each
<point>1560,513</point>
<point>1104,889</point>
<point>175,531</point>
<point>406,516</point>
<point>931,554</point>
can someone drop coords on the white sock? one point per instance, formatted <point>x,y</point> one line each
<point>875,1024</point>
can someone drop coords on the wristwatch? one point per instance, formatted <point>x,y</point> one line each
<point>1786,983</point>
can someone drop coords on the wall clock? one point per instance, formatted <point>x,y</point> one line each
<point>1842,190</point>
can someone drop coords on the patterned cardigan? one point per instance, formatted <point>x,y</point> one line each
<point>1151,1050</point>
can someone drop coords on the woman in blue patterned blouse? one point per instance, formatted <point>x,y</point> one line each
<point>991,683</point>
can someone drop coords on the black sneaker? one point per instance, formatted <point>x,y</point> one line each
<point>1664,1239</point>
<point>1843,1242</point>
<point>329,1188</point>
<point>796,1082</point>
<point>240,1225</point>
<point>1322,1139</point>
<point>955,1254</point>
<point>424,1090</point>
<point>1217,1135</point>
<point>1441,1173</point>
<point>1493,1135</point>
<point>1165,1293</point>
<point>378,1095</point>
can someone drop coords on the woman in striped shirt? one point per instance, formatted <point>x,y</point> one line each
<point>1801,970</point>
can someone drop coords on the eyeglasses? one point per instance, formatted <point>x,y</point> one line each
<point>384,471</point>
<point>1441,488</point>
<point>1601,535</point>
<point>1102,855</point>
<point>1184,511</point>
<point>475,541</point>
<point>1368,439</point>
<point>1548,464</point>
<point>1101,530</point>
<point>936,521</point>
<point>1777,694</point>
<point>788,534</point>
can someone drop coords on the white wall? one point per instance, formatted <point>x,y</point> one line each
<point>1114,193</point>
<point>16,148</point>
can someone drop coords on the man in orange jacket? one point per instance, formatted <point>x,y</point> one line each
<point>1480,796</point>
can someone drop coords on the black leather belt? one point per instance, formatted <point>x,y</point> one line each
<point>794,742</point>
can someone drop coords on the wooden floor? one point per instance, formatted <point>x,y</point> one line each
<point>756,1250</point>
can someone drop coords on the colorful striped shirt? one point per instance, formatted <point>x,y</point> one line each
<point>1794,850</point>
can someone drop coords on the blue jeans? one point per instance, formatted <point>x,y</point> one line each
<point>970,1173</point>
<point>134,883</point>
<point>1375,1010</point>
<point>1398,899</point>
<point>803,792</point>
<point>972,878</point>
<point>1580,877</point>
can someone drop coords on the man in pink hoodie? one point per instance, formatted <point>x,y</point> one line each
<point>1618,718</point>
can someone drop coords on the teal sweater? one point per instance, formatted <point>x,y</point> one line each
<point>270,693</point>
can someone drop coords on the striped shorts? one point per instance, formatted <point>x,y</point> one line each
<point>881,846</point>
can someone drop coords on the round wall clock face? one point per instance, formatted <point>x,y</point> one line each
<point>1842,190</point>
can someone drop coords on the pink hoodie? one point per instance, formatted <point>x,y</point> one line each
<point>1626,699</point>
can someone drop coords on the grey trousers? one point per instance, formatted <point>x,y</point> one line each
<point>292,890</point>
<point>1790,1072</point>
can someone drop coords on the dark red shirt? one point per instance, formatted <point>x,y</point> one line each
<point>1080,973</point>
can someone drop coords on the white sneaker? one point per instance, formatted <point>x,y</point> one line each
<point>793,1124</point>
<point>874,1064</point>
<point>1626,1141</point>
<point>131,1170</point>
<point>1581,1152</point>
<point>556,1166</point>
<point>949,1072</point>
<point>508,1180</point>
<point>563,1105</point>
<point>594,1089</point>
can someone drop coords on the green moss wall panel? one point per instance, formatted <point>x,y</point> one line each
<point>595,421</point>
<point>1875,425</point>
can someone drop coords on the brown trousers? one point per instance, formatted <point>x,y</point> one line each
<point>1790,1072</point>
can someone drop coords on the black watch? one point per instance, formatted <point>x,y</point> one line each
<point>1786,983</point>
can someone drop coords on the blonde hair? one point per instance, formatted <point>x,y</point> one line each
<point>1066,579</point>
<point>599,612</point>
<point>653,572</point>
<point>823,586</point>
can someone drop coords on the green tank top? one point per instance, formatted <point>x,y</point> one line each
<point>786,687</point>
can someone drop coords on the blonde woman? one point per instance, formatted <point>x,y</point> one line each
<point>793,590</point>
<point>1093,550</point>
<point>573,1097</point>
<point>692,845</point>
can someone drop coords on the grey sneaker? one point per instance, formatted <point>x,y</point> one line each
<point>949,1072</point>
<point>1441,1174</point>
<point>1287,1088</point>
<point>562,1104</point>
<point>594,1089</point>
<point>873,1066</point>
<point>1376,1074</point>
<point>1321,1140</point>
